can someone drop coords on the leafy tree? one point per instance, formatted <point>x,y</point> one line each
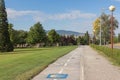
<point>96,26</point>
<point>86,38</point>
<point>63,40</point>
<point>115,39</point>
<point>71,40</point>
<point>105,24</point>
<point>11,32</point>
<point>119,37</point>
<point>81,40</point>
<point>5,43</point>
<point>14,38</point>
<point>22,37</point>
<point>36,34</point>
<point>78,40</point>
<point>53,36</point>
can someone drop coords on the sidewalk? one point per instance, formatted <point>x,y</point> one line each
<point>68,64</point>
<point>83,63</point>
<point>97,67</point>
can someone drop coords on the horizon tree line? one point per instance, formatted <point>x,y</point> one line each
<point>38,37</point>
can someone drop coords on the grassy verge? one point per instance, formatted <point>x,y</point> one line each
<point>23,64</point>
<point>113,55</point>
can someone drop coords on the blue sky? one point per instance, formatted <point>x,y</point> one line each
<point>74,15</point>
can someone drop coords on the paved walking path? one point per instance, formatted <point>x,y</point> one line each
<point>82,64</point>
<point>98,67</point>
<point>68,64</point>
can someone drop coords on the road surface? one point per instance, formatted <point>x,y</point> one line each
<point>82,64</point>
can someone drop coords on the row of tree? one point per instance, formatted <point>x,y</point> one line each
<point>38,37</point>
<point>104,21</point>
<point>10,38</point>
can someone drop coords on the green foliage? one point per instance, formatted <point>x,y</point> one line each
<point>105,22</point>
<point>96,26</point>
<point>53,36</point>
<point>36,34</point>
<point>81,41</point>
<point>115,39</point>
<point>37,37</point>
<point>119,37</point>
<point>5,43</point>
<point>114,54</point>
<point>21,36</point>
<point>84,40</point>
<point>22,64</point>
<point>71,40</point>
<point>11,31</point>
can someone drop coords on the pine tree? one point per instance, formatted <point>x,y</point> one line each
<point>5,43</point>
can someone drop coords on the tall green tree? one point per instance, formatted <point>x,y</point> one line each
<point>36,34</point>
<point>53,36</point>
<point>71,40</point>
<point>105,22</point>
<point>84,40</point>
<point>87,38</point>
<point>119,37</point>
<point>21,37</point>
<point>5,43</point>
<point>11,32</point>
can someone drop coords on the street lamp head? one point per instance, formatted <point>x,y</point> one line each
<point>93,30</point>
<point>112,8</point>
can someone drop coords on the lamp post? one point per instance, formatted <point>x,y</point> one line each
<point>112,8</point>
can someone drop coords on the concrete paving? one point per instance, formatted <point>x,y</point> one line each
<point>97,67</point>
<point>68,64</point>
<point>83,63</point>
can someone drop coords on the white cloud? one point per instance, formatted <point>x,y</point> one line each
<point>40,16</point>
<point>75,14</point>
<point>15,14</point>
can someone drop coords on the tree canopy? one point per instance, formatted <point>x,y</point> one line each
<point>36,34</point>
<point>105,22</point>
<point>53,36</point>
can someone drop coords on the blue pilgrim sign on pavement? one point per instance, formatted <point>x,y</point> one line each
<point>57,76</point>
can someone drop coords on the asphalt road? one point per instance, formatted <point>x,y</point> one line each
<point>68,64</point>
<point>82,64</point>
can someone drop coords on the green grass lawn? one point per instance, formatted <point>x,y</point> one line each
<point>23,64</point>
